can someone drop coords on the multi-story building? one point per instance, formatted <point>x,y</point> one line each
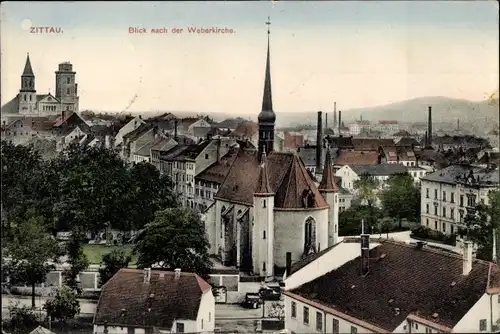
<point>387,126</point>
<point>357,127</point>
<point>448,193</point>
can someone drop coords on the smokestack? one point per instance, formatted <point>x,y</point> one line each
<point>458,124</point>
<point>326,120</point>
<point>147,275</point>
<point>429,127</point>
<point>319,142</point>
<point>365,250</point>
<point>334,115</point>
<point>175,129</point>
<point>467,259</point>
<point>177,272</point>
<point>340,120</point>
<point>288,263</point>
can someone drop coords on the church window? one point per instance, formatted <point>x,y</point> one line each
<point>68,80</point>
<point>309,234</point>
<point>31,98</point>
<point>24,97</point>
<point>263,266</point>
<point>67,91</point>
<point>264,235</point>
<point>264,203</point>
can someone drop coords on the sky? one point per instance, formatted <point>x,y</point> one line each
<point>358,54</point>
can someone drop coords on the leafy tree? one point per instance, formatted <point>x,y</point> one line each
<point>77,260</point>
<point>367,188</point>
<point>401,198</point>
<point>350,220</point>
<point>19,166</point>
<point>277,310</point>
<point>22,319</point>
<point>181,235</point>
<point>92,185</point>
<point>149,192</point>
<point>494,213</point>
<point>63,306</point>
<point>30,250</point>
<point>112,263</point>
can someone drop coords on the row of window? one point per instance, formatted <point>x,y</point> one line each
<point>436,213</point>
<point>452,227</point>
<point>319,319</point>
<point>471,199</point>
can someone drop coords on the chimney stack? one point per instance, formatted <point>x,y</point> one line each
<point>175,129</point>
<point>177,273</point>
<point>467,259</point>
<point>319,142</point>
<point>288,263</point>
<point>334,115</point>
<point>365,250</point>
<point>429,127</point>
<point>340,120</point>
<point>326,120</point>
<point>147,275</point>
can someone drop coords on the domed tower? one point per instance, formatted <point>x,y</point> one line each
<point>267,117</point>
<point>330,191</point>
<point>27,93</point>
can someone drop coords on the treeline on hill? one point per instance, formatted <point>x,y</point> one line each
<point>81,190</point>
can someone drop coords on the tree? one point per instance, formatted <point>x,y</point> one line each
<point>31,249</point>
<point>112,263</point>
<point>401,198</point>
<point>149,192</point>
<point>277,310</point>
<point>350,220</point>
<point>63,306</point>
<point>19,166</point>
<point>494,213</point>
<point>367,189</point>
<point>183,241</point>
<point>22,319</point>
<point>77,260</point>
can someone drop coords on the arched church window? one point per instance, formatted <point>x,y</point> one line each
<point>263,266</point>
<point>25,97</point>
<point>222,221</point>
<point>309,234</point>
<point>264,235</point>
<point>31,98</point>
<point>264,203</point>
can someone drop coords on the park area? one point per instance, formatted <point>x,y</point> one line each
<point>95,253</point>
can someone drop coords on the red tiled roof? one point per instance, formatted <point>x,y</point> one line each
<point>288,179</point>
<point>125,299</point>
<point>424,282</point>
<point>245,129</point>
<point>357,158</point>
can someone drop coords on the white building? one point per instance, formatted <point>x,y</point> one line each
<point>448,193</point>
<point>387,126</point>
<point>394,288</point>
<point>140,301</point>
<point>381,172</point>
<point>127,128</point>
<point>358,126</point>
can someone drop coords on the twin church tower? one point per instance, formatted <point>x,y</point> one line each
<point>64,101</point>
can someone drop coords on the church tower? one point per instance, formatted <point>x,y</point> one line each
<point>267,117</point>
<point>330,191</point>
<point>263,225</point>
<point>67,88</point>
<point>27,93</point>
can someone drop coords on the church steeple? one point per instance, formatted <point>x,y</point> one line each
<point>28,77</point>
<point>328,181</point>
<point>267,117</point>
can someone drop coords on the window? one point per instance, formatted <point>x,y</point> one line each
<point>428,330</point>
<point>427,208</point>
<point>435,225</point>
<point>24,97</point>
<point>306,315</point>
<point>471,200</point>
<point>294,310</point>
<point>209,316</point>
<point>68,91</point>
<point>31,97</point>
<point>416,325</point>
<point>452,229</point>
<point>201,323</point>
<point>435,210</point>
<point>444,212</point>
<point>444,227</point>
<point>452,213</point>
<point>452,197</point>
<point>319,321</point>
<point>180,328</point>
<point>482,325</point>
<point>444,196</point>
<point>354,330</point>
<point>435,194</point>
<point>264,235</point>
<point>68,80</point>
<point>498,299</point>
<point>263,266</point>
<point>427,222</point>
<point>264,203</point>
<point>461,200</point>
<point>427,193</point>
<point>335,326</point>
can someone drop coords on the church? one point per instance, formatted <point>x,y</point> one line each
<point>29,103</point>
<point>269,205</point>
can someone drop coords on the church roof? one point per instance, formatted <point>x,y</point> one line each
<point>263,187</point>
<point>267,114</point>
<point>328,182</point>
<point>28,71</point>
<point>288,178</point>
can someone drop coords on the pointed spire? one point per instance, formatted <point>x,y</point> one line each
<point>28,71</point>
<point>267,100</point>
<point>328,181</point>
<point>263,187</point>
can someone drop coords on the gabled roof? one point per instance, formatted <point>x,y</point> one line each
<point>145,150</point>
<point>245,129</point>
<point>288,179</point>
<point>145,305</point>
<point>41,330</point>
<point>11,107</point>
<point>230,123</point>
<point>217,171</point>
<point>40,97</point>
<point>73,115</point>
<point>28,71</point>
<point>404,280</point>
<point>379,170</point>
<point>357,157</point>
<point>138,132</point>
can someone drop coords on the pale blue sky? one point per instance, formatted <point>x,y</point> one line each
<point>355,53</point>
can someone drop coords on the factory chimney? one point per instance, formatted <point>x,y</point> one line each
<point>319,142</point>
<point>340,120</point>
<point>429,127</point>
